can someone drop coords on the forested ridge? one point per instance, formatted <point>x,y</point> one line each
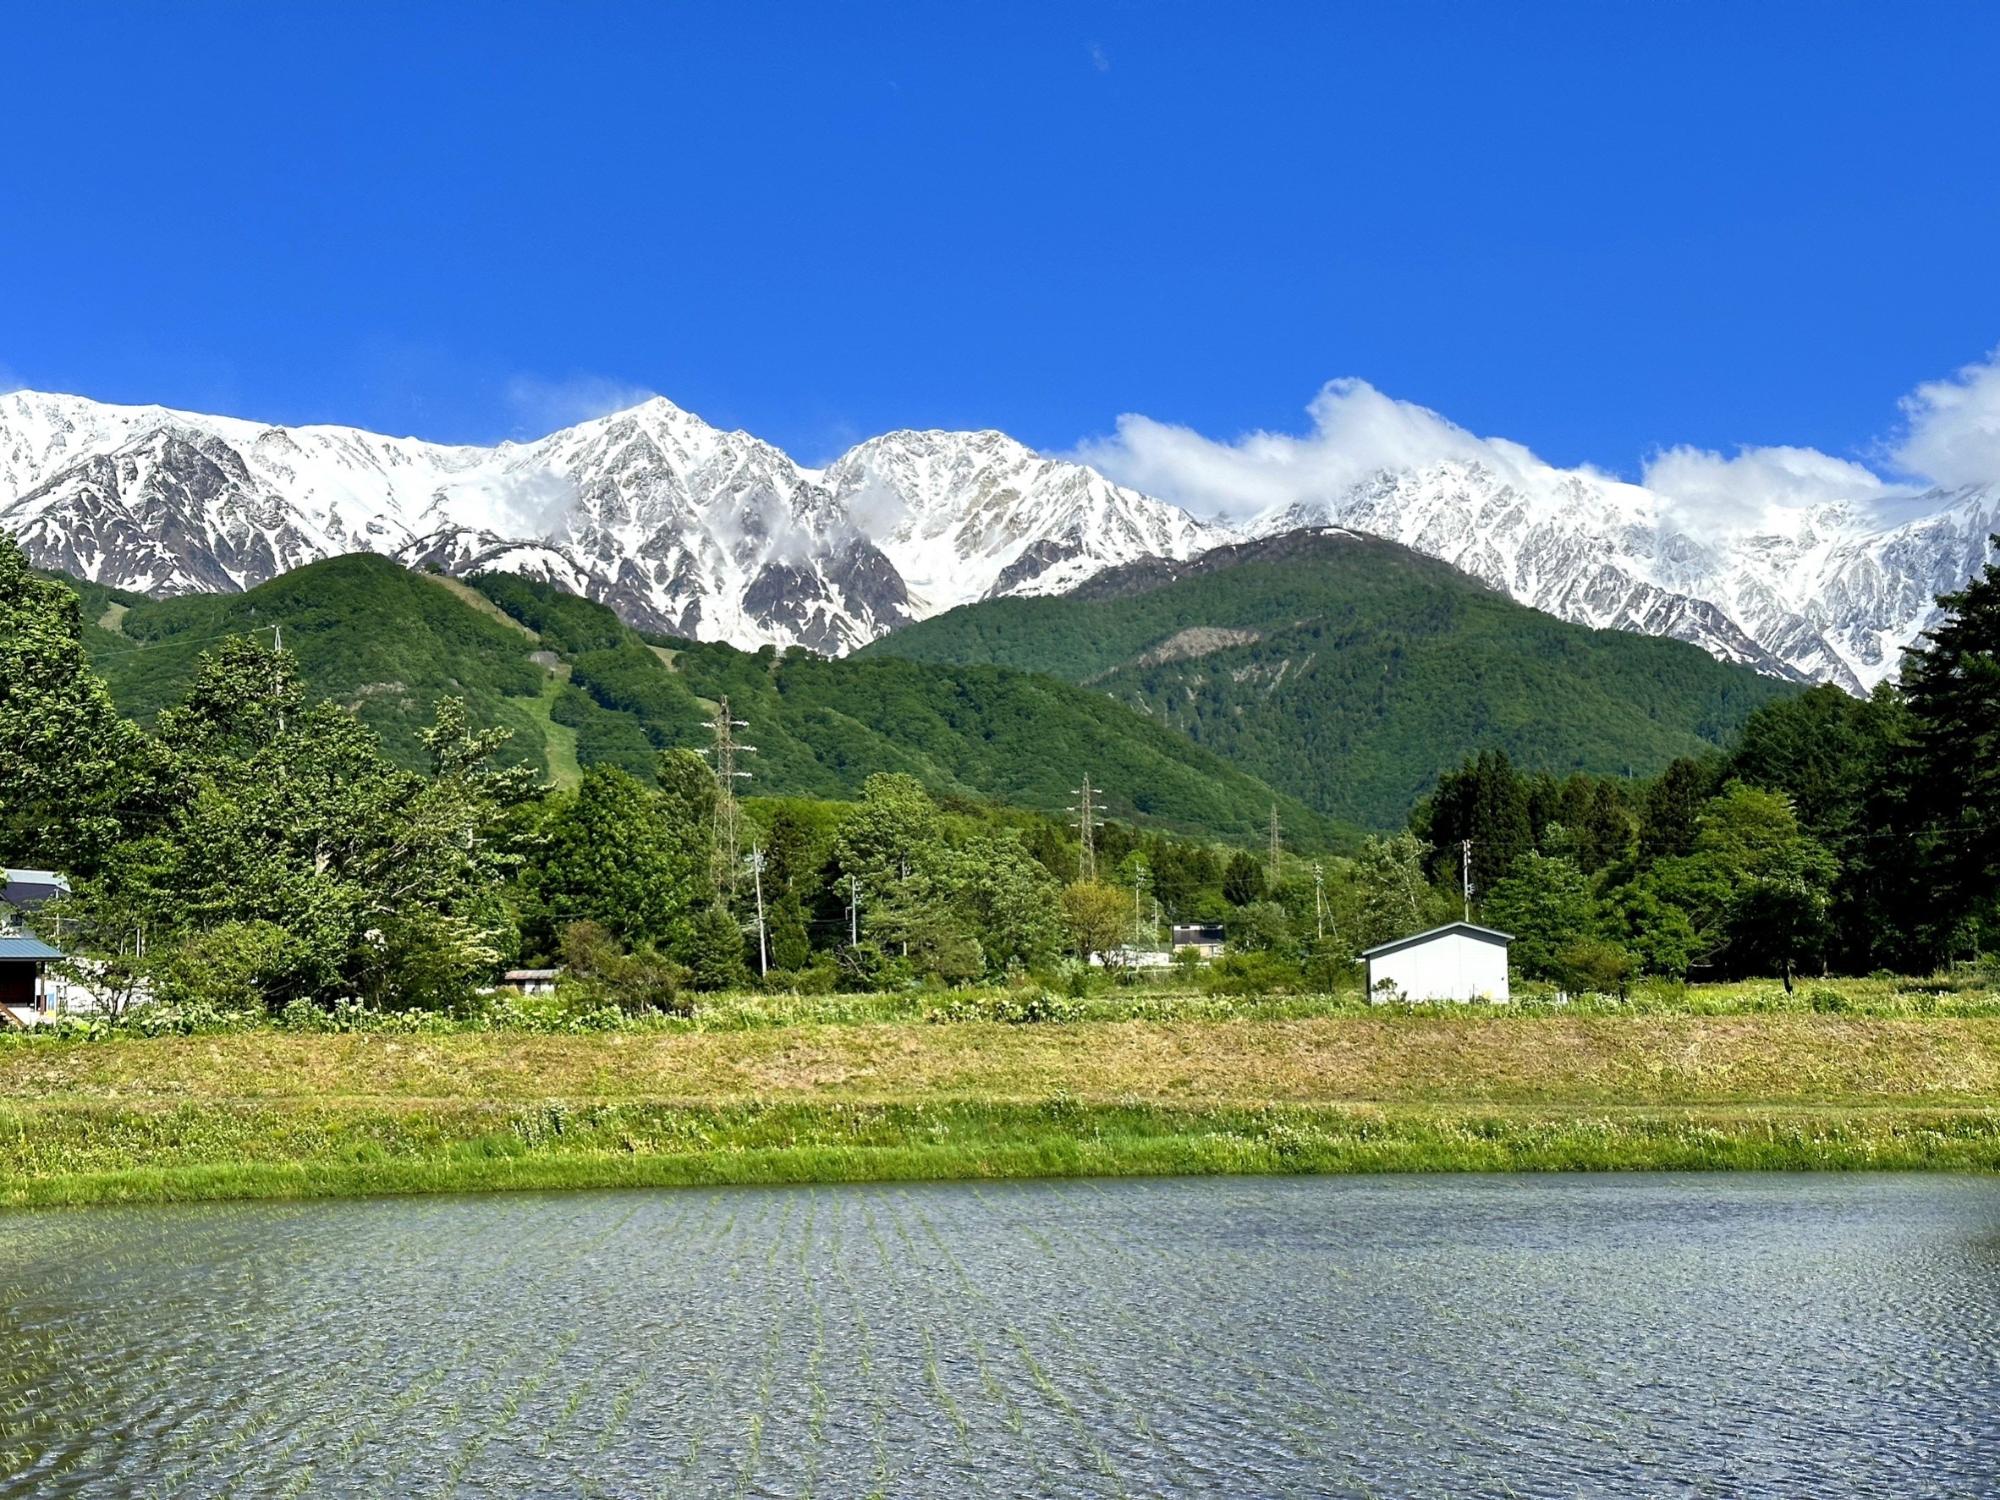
<point>254,847</point>
<point>1349,671</point>
<point>576,687</point>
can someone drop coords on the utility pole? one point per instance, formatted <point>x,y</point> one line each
<point>1319,898</point>
<point>757,874</point>
<point>1276,851</point>
<point>1087,824</point>
<point>1465,875</point>
<point>853,911</point>
<point>277,673</point>
<point>725,750</point>
<point>1139,901</point>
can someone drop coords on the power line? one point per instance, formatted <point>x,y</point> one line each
<point>183,640</point>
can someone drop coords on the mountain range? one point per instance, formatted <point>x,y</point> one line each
<point>1826,592</point>
<point>1349,671</point>
<point>679,526</point>
<point>704,534</point>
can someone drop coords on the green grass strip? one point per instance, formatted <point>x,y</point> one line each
<point>70,1154</point>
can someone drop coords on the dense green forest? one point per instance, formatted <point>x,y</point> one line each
<point>254,846</point>
<point>575,687</point>
<point>1350,671</point>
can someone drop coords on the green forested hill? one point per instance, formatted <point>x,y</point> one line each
<point>578,687</point>
<point>1350,671</point>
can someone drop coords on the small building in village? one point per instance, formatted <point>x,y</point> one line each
<point>24,986</point>
<point>530,981</point>
<point>1206,938</point>
<point>1457,961</point>
<point>27,996</point>
<point>1131,956</point>
<point>24,890</point>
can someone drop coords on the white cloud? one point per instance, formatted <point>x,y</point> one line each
<point>542,406</point>
<point>1708,492</point>
<point>1356,430</point>
<point>1951,435</point>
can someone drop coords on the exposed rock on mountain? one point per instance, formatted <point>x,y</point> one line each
<point>678,525</point>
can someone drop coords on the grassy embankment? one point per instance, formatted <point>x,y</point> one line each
<point>270,1113</point>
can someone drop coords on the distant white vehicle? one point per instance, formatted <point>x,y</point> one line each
<point>1457,961</point>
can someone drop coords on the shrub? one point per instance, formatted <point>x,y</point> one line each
<point>1594,966</point>
<point>1025,1007</point>
<point>600,975</point>
<point>1251,974</point>
<point>236,968</point>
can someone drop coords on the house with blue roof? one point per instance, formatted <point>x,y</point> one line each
<point>24,961</point>
<point>24,956</point>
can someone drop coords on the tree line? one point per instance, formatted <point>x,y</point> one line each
<point>1837,834</point>
<point>256,849</point>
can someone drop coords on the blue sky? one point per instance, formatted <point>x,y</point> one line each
<point>1598,230</point>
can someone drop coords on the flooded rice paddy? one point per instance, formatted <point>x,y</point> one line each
<point>1647,1336</point>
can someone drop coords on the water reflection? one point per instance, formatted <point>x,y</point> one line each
<point>1684,1335</point>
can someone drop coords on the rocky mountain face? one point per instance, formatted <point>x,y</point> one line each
<point>718,535</point>
<point>678,525</point>
<point>1826,593</point>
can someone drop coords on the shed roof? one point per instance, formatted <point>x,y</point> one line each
<point>1484,934</point>
<point>19,946</point>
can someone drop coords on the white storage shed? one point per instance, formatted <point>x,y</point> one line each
<point>1457,961</point>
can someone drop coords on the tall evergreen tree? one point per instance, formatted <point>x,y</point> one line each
<point>1952,684</point>
<point>1487,801</point>
<point>1671,816</point>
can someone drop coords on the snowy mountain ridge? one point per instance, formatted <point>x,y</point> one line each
<point>689,529</point>
<point>1826,592</point>
<point>680,526</point>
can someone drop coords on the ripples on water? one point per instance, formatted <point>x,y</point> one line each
<point>1648,1336</point>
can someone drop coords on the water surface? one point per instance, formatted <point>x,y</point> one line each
<point>1532,1336</point>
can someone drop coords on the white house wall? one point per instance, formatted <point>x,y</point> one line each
<point>1452,966</point>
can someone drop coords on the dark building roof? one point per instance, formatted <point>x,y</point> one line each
<point>1485,934</point>
<point>31,887</point>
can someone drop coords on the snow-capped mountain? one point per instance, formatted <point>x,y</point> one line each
<point>1824,593</point>
<point>716,535</point>
<point>680,526</point>
<point>973,514</point>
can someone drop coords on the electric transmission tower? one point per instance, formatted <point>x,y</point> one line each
<point>1087,824</point>
<point>725,750</point>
